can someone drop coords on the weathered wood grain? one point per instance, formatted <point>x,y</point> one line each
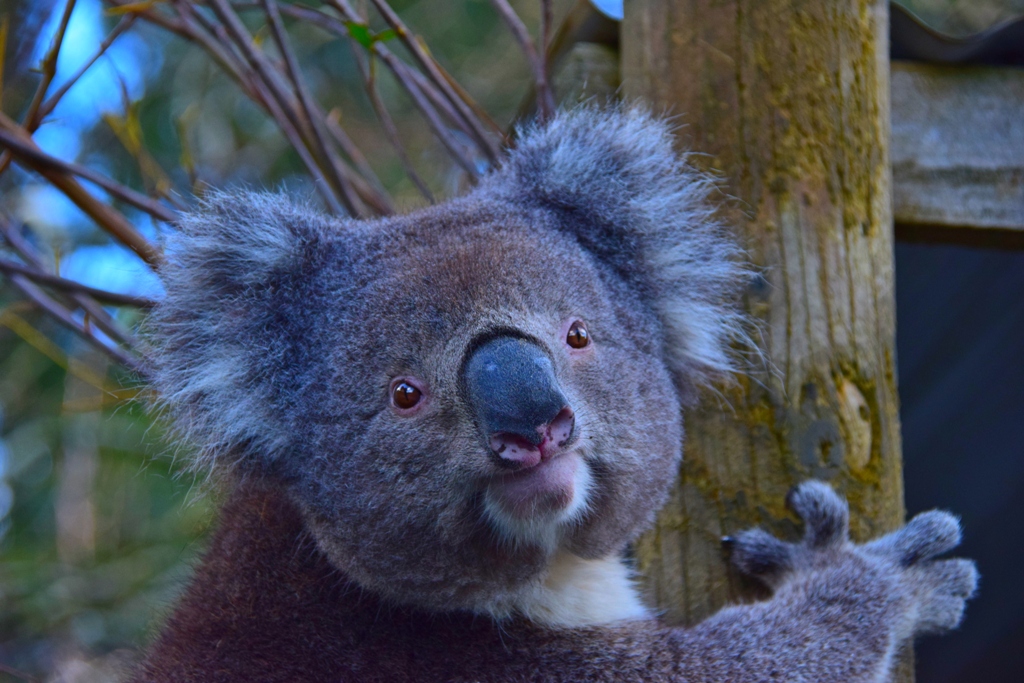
<point>789,102</point>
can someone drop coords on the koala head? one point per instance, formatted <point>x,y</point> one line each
<point>454,395</point>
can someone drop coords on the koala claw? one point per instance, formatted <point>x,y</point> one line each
<point>757,553</point>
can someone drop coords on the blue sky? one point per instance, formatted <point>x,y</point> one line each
<point>128,63</point>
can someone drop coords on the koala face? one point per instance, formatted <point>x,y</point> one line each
<point>454,395</point>
<point>463,495</point>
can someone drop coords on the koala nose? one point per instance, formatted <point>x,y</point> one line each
<point>519,406</point>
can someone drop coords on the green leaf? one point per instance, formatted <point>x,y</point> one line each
<point>360,33</point>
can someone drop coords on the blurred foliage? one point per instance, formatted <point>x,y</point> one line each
<point>96,536</point>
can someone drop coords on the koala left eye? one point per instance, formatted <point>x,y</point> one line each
<point>577,337</point>
<point>405,395</point>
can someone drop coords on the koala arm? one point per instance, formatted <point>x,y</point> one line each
<point>267,606</point>
<point>839,612</point>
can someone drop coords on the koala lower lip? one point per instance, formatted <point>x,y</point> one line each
<point>544,488</point>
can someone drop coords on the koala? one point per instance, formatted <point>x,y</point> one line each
<point>442,430</point>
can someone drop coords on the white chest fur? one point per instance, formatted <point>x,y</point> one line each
<point>580,592</point>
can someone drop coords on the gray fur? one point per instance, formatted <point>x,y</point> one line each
<point>221,355</point>
<point>282,330</point>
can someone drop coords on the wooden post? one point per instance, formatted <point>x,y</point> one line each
<point>789,100</point>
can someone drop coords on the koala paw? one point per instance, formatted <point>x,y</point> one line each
<point>935,591</point>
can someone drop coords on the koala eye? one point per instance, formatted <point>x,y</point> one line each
<point>577,337</point>
<point>405,396</point>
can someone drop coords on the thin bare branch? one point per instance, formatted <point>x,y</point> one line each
<point>407,77</point>
<point>48,69</point>
<point>545,100</point>
<point>20,675</point>
<point>279,104</point>
<point>313,117</point>
<point>103,319</point>
<point>369,80</point>
<point>374,193</point>
<point>65,317</point>
<point>545,96</point>
<point>300,148</point>
<point>53,100</point>
<point>61,312</point>
<point>431,69</point>
<point>415,83</point>
<point>232,30</point>
<point>345,9</point>
<point>317,18</point>
<point>5,25</point>
<point>333,25</point>
<point>186,27</point>
<point>402,73</point>
<point>108,218</point>
<point>35,158</point>
<point>13,268</point>
<point>195,27</point>
<point>128,130</point>
<point>474,105</point>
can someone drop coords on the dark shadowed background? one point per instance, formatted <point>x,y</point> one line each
<point>960,340</point>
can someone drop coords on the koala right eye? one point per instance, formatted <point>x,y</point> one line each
<point>577,337</point>
<point>405,396</point>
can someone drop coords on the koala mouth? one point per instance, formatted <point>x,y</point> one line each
<point>543,478</point>
<point>555,488</point>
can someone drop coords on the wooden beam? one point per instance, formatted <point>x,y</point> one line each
<point>788,100</point>
<point>958,153</point>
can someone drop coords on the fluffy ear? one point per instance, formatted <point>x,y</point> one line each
<point>616,183</point>
<point>223,327</point>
